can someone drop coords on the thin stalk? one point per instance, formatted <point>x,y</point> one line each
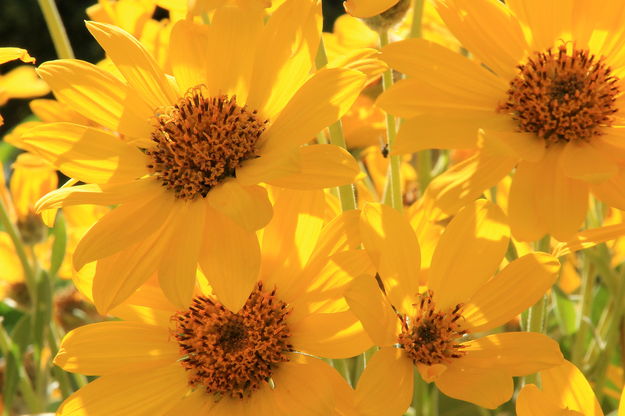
<point>424,169</point>
<point>13,232</point>
<point>346,192</point>
<point>419,395</point>
<point>583,319</point>
<point>416,30</point>
<point>393,184</point>
<point>56,29</point>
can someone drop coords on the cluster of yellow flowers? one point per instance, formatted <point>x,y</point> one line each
<point>259,218</point>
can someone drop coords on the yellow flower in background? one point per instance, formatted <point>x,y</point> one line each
<point>565,391</point>
<point>206,358</point>
<point>544,96</point>
<point>183,159</point>
<point>427,327</point>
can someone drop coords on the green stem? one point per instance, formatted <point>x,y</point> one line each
<point>424,169</point>
<point>416,30</point>
<point>583,319</point>
<point>419,395</point>
<point>393,184</point>
<point>56,28</point>
<point>13,232</point>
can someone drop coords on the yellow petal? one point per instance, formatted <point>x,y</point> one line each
<point>122,227</point>
<point>52,110</point>
<point>87,154</point>
<point>194,404</point>
<point>342,233</point>
<point>290,40</point>
<point>248,206</point>
<point>135,63</point>
<point>230,259</point>
<point>320,166</point>
<point>589,238</point>
<point>176,273</point>
<point>486,388</point>
<point>512,353</point>
<point>86,89</point>
<point>10,54</point>
<point>368,8</point>
<point>509,142</point>
<point>298,388</point>
<point>517,287</point>
<point>22,82</point>
<point>611,191</point>
<point>394,250</point>
<point>583,161</point>
<point>262,403</point>
<point>567,384</point>
<point>468,253</point>
<point>188,53</point>
<point>32,178</point>
<point>547,22</point>
<point>388,374</point>
<point>533,402</point>
<point>111,347</point>
<point>331,335</point>
<point>146,393</point>
<point>368,303</point>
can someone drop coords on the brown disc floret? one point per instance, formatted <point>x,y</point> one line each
<point>201,141</point>
<point>563,94</point>
<point>233,354</point>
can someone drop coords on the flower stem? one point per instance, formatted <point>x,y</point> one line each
<point>588,284</point>
<point>16,238</point>
<point>416,30</point>
<point>393,183</point>
<point>56,28</point>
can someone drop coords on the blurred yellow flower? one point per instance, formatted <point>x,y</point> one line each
<point>185,175</point>
<point>544,96</point>
<point>207,358</point>
<point>462,297</point>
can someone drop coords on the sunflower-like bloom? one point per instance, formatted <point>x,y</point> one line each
<point>434,328</point>
<point>208,359</point>
<point>182,156</point>
<point>565,391</point>
<point>544,95</point>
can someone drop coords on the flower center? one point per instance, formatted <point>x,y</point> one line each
<point>430,336</point>
<point>201,141</point>
<point>563,95</point>
<point>232,354</point>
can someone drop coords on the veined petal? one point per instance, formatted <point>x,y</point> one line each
<point>368,8</point>
<point>368,303</point>
<point>581,160</point>
<point>188,53</point>
<point>342,233</point>
<point>194,404</point>
<point>468,253</point>
<point>320,166</point>
<point>589,238</point>
<point>123,227</point>
<point>86,89</point>
<point>517,287</point>
<point>176,273</point>
<point>394,250</point>
<point>508,142</point>
<point>248,206</point>
<point>533,402</point>
<point>331,335</point>
<point>611,191</point>
<point>486,388</point>
<point>135,63</point>
<point>512,353</point>
<point>568,386</point>
<point>145,393</point>
<point>547,22</point>
<point>10,54</point>
<point>230,259</point>
<point>85,153</point>
<point>117,346</point>
<point>388,374</point>
<point>261,403</point>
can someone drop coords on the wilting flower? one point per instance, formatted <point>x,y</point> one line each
<point>207,358</point>
<point>564,391</point>
<point>545,96</point>
<point>428,327</point>
<point>183,159</point>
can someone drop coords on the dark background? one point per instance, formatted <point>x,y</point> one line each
<point>22,25</point>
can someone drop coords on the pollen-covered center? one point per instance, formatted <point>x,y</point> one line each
<point>233,354</point>
<point>201,141</point>
<point>431,336</point>
<point>562,95</point>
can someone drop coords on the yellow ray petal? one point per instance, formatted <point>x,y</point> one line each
<point>533,402</point>
<point>517,287</point>
<point>110,347</point>
<point>393,248</point>
<point>388,374</point>
<point>50,111</point>
<point>368,8</point>
<point>262,403</point>
<point>188,53</point>
<point>248,206</point>
<point>583,161</point>
<point>146,392</point>
<point>505,140</point>
<point>486,388</point>
<point>22,82</point>
<point>194,404</point>
<point>320,166</point>
<point>230,259</point>
<point>567,385</point>
<point>512,353</point>
<point>87,154</point>
<point>10,54</point>
<point>589,238</point>
<point>342,233</point>
<point>135,63</point>
<point>468,253</point>
<point>545,22</point>
<point>368,303</point>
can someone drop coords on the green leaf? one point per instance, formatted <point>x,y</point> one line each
<point>21,333</point>
<point>43,310</point>
<point>60,244</point>
<point>11,380</point>
<point>565,311</point>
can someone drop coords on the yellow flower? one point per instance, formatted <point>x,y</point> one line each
<point>544,96</point>
<point>565,391</point>
<point>427,327</point>
<point>183,159</point>
<point>207,358</point>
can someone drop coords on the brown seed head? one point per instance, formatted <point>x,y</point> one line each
<point>563,95</point>
<point>232,354</point>
<point>430,337</point>
<point>201,141</point>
